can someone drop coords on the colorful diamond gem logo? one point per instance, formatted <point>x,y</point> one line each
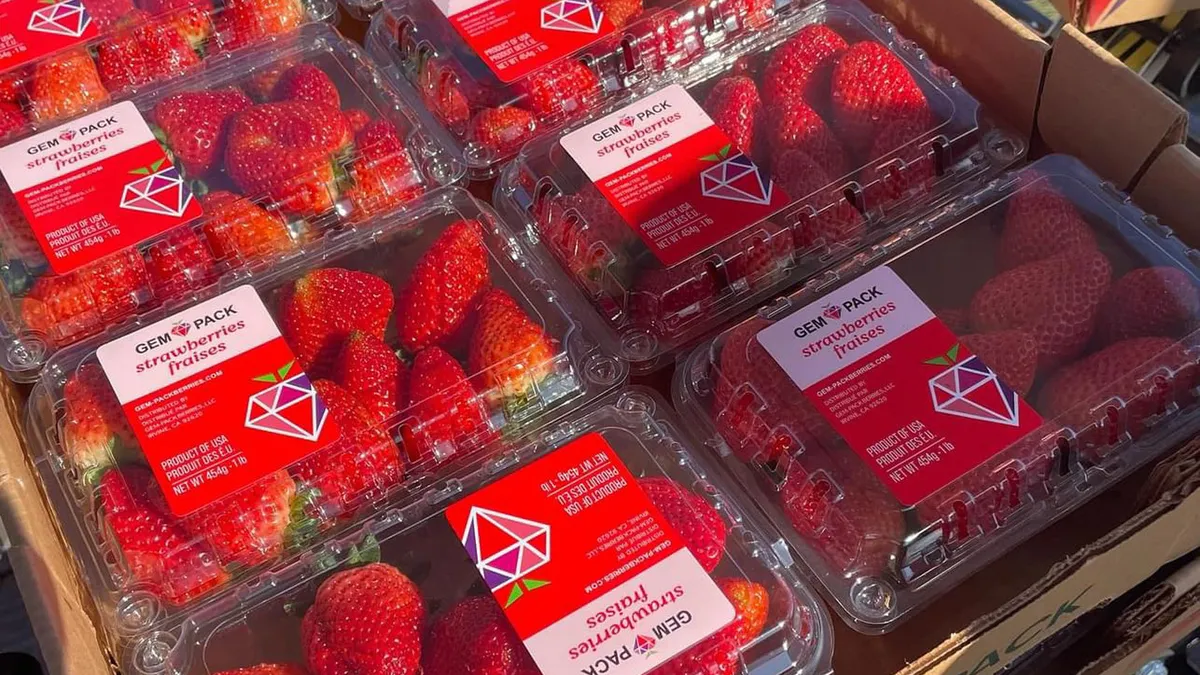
<point>162,192</point>
<point>644,644</point>
<point>572,16</point>
<point>736,179</point>
<point>832,312</point>
<point>506,548</point>
<point>972,390</point>
<point>181,329</point>
<point>290,407</point>
<point>69,18</point>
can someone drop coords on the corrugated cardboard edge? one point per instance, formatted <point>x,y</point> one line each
<point>1089,578</point>
<point>1130,657</point>
<point>1129,122</point>
<point>965,37</point>
<point>41,564</point>
<point>1175,172</point>
<point>1137,10</point>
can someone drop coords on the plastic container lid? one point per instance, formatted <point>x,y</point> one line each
<point>924,408</point>
<point>751,170</point>
<point>205,443</point>
<point>619,527</point>
<point>146,201</point>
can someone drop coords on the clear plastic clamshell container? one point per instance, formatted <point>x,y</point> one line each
<point>427,588</point>
<point>921,409</point>
<point>147,200</point>
<point>748,171</point>
<point>61,58</point>
<point>188,453</point>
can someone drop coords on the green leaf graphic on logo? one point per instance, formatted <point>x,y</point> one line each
<point>711,158</point>
<point>156,165</point>
<point>953,353</point>
<point>266,377</point>
<point>141,171</point>
<point>937,361</point>
<point>287,368</point>
<point>514,595</point>
<point>534,584</point>
<point>725,151</point>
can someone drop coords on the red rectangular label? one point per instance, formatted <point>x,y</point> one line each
<point>30,29</point>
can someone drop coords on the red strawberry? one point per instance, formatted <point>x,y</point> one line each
<point>195,123</point>
<point>666,39</point>
<point>12,83</point>
<point>474,637</point>
<point>695,520</point>
<point>370,370</point>
<point>620,12</point>
<point>564,89</point>
<point>324,306</point>
<point>383,172</point>
<point>108,14</point>
<point>1054,300</point>
<point>509,352</point>
<point>1011,354</point>
<point>365,620</point>
<point>306,82</point>
<point>248,527</point>
<point>446,411</point>
<point>896,181</point>
<point>177,263</point>
<point>1040,222</point>
<point>801,67</point>
<point>192,18</point>
<point>358,467</point>
<point>71,306</point>
<point>12,120</point>
<point>503,130</point>
<point>871,87</point>
<point>147,51</point>
<point>667,298</point>
<point>757,257</point>
<point>439,86</point>
<point>833,224</point>
<point>267,669</point>
<point>1147,302</point>
<point>1117,371</point>
<point>287,150</point>
<point>795,126</point>
<point>96,434</point>
<point>63,85</point>
<point>242,22</point>
<point>237,229</point>
<point>443,287</point>
<point>720,654</point>
<point>733,104</point>
<point>261,82</point>
<point>160,553</point>
<point>585,232</point>
<point>357,119</point>
<point>751,13</point>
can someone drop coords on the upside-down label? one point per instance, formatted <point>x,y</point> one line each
<point>903,391</point>
<point>95,186</point>
<point>516,37</point>
<point>30,29</point>
<point>216,398</point>
<point>591,576</point>
<point>673,175</point>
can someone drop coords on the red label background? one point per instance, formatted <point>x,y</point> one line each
<point>19,45</point>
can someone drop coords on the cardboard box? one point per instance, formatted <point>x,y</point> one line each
<point>1074,98</point>
<point>1090,15</point>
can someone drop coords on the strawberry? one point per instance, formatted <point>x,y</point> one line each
<point>510,353</point>
<point>667,298</point>
<point>695,521</point>
<point>177,263</point>
<point>362,465</point>
<point>238,229</point>
<point>194,125</point>
<point>720,653</point>
<point>756,257</point>
<point>306,82</point>
<point>870,88</point>
<point>440,294</point>
<point>383,172</point>
<point>260,83</point>
<point>1147,302</point>
<point>12,84</point>
<point>23,259</point>
<point>620,12</point>
<point>287,150</point>
<point>248,527</point>
<point>109,14</point>
<point>12,120</point>
<point>446,411</point>
<point>357,119</point>
<point>364,620</point>
<point>1011,354</point>
<point>666,39</point>
<point>584,232</point>
<point>267,669</point>
<point>733,104</point>
<point>324,306</point>
<point>242,22</point>
<point>370,370</point>
<point>897,181</point>
<point>1054,300</point>
<point>751,13</point>
<point>501,131</point>
<point>159,551</point>
<point>439,86</point>
<point>474,637</point>
<point>147,51</point>
<point>1117,371</point>
<point>564,89</point>
<point>795,126</point>
<point>190,17</point>
<point>1040,222</point>
<point>63,85</point>
<point>800,69</point>
<point>95,433</point>
<point>833,224</point>
<point>71,306</point>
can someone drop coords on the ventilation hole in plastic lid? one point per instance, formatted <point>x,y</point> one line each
<point>873,597</point>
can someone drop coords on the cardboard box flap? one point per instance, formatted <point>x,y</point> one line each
<point>1093,15</point>
<point>1129,121</point>
<point>1174,173</point>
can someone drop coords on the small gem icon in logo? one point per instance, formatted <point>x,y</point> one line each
<point>505,549</point>
<point>161,192</point>
<point>970,389</point>
<point>734,178</point>
<point>832,312</point>
<point>69,18</point>
<point>290,407</point>
<point>572,16</point>
<point>66,134</point>
<point>180,329</point>
<point>644,644</point>
<point>627,121</point>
